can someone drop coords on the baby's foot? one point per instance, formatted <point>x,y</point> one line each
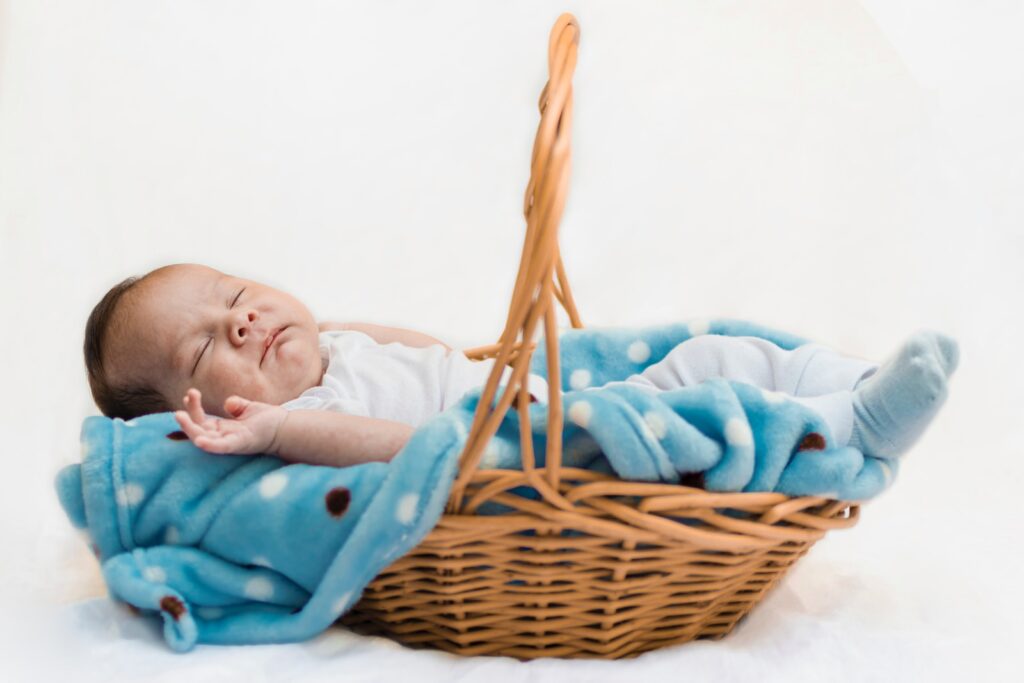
<point>893,406</point>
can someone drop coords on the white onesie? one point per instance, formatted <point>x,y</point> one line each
<point>394,381</point>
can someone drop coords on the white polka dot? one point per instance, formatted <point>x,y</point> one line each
<point>259,588</point>
<point>580,412</point>
<point>272,484</point>
<point>129,494</point>
<point>406,509</point>
<point>579,379</point>
<point>699,327</point>
<point>886,471</point>
<point>772,396</point>
<point>638,351</point>
<point>656,423</point>
<point>261,561</point>
<point>210,613</point>
<point>645,429</point>
<point>155,574</point>
<point>489,459</point>
<point>737,432</point>
<point>341,604</point>
<point>130,423</point>
<point>171,536</point>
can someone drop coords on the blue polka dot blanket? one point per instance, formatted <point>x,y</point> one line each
<point>251,549</point>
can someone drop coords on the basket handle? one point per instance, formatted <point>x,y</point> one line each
<point>535,287</point>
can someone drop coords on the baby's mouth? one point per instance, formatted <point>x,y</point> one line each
<point>268,342</point>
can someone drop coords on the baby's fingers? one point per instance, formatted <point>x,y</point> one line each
<point>191,429</point>
<point>194,406</point>
<point>209,440</point>
<point>236,405</point>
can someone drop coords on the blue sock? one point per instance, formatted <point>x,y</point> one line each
<point>893,406</point>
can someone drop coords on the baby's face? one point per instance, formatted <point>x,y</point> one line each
<point>193,326</point>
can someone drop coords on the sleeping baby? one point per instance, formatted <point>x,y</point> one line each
<point>247,369</point>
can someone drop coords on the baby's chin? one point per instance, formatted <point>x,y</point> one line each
<point>293,386</point>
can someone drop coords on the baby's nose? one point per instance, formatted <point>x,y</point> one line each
<point>244,327</point>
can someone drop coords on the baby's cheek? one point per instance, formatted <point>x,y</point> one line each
<point>252,388</point>
<point>231,381</point>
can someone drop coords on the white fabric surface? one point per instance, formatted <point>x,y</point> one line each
<point>370,158</point>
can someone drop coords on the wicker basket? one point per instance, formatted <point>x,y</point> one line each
<point>594,566</point>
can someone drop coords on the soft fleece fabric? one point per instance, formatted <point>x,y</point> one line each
<point>250,549</point>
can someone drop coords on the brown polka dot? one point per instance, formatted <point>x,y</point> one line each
<point>694,479</point>
<point>172,606</point>
<point>337,500</point>
<point>533,399</point>
<point>178,436</point>
<point>812,442</point>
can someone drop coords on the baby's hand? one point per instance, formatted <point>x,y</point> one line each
<point>253,429</point>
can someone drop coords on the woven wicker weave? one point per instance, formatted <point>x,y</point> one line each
<point>596,567</point>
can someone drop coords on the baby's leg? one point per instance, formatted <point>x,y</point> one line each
<point>895,406</point>
<point>813,375</point>
<point>883,415</point>
<point>808,370</point>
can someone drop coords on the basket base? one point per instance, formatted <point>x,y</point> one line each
<point>530,586</point>
<point>671,610</point>
<point>627,646</point>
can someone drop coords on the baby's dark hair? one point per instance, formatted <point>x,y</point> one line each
<point>126,400</point>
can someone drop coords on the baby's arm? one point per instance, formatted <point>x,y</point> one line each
<point>323,437</point>
<point>386,335</point>
<point>316,437</point>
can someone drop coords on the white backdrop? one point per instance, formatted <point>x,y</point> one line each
<point>848,171</point>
